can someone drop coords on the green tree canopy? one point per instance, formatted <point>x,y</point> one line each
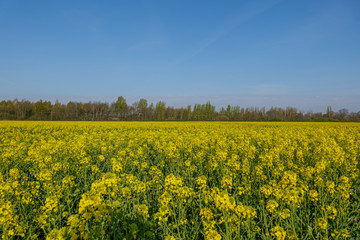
<point>121,105</point>
<point>160,110</point>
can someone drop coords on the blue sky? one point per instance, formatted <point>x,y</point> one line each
<point>300,53</point>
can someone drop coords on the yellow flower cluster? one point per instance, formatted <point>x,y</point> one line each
<point>179,180</point>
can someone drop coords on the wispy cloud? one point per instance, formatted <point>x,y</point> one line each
<point>224,29</point>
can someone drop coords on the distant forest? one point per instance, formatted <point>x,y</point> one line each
<point>142,111</point>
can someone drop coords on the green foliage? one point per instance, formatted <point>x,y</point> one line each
<point>160,110</point>
<point>121,105</point>
<point>141,110</point>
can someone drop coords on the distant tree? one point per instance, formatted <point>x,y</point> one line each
<point>221,117</point>
<point>181,114</point>
<point>195,115</point>
<point>150,112</point>
<point>42,110</point>
<point>7,110</point>
<point>160,110</point>
<point>141,108</point>
<point>171,113</point>
<point>188,113</point>
<point>71,110</point>
<point>209,111</point>
<point>343,114</point>
<point>308,115</point>
<point>290,114</point>
<point>262,113</point>
<point>272,114</point>
<point>57,111</point>
<point>121,106</point>
<point>354,117</point>
<point>300,116</point>
<point>236,113</point>
<point>88,111</point>
<point>23,109</point>
<point>228,112</point>
<point>329,112</point>
<point>132,112</point>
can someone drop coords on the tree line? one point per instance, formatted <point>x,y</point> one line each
<point>143,111</point>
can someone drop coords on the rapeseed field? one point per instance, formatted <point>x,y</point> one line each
<point>179,180</point>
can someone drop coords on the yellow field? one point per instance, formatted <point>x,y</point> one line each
<point>179,180</point>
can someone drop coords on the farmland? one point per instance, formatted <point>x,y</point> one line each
<point>179,180</point>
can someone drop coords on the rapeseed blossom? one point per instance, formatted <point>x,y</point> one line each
<point>176,180</point>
